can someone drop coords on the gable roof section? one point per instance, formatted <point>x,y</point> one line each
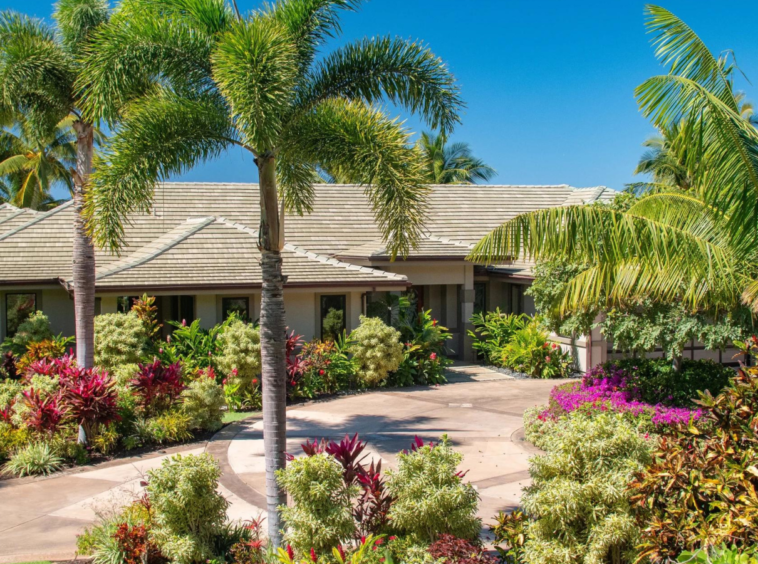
<point>37,247</point>
<point>220,253</point>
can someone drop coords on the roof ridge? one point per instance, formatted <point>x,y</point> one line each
<point>191,226</point>
<point>315,256</point>
<point>448,241</point>
<point>37,219</point>
<point>13,215</point>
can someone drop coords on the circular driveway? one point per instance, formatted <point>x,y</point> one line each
<point>483,420</point>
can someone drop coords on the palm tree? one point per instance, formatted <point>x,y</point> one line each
<point>697,245</point>
<point>31,164</point>
<point>38,68</point>
<point>451,163</point>
<point>185,80</point>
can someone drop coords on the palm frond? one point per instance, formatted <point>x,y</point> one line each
<point>129,57</point>
<point>77,19</point>
<point>208,17</point>
<point>309,22</point>
<point>370,149</point>
<point>680,47</point>
<point>159,136</point>
<point>296,179</point>
<point>255,66</point>
<point>405,73</point>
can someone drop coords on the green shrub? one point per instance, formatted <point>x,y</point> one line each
<point>430,497</point>
<point>376,350</point>
<point>334,321</point>
<point>530,352</point>
<point>510,536</point>
<point>119,339</point>
<point>424,359</point>
<point>33,459</point>
<point>188,511</point>
<point>720,555</point>
<point>99,540</point>
<point>122,374</point>
<point>701,488</point>
<point>240,353</point>
<point>170,427</point>
<point>578,500</point>
<point>321,514</point>
<point>34,330</point>
<point>658,382</point>
<point>11,439</point>
<point>493,330</point>
<point>9,389</point>
<point>202,400</point>
<point>69,449</point>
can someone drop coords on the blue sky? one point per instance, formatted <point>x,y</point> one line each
<point>548,85</point>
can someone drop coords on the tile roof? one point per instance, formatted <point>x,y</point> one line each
<point>37,246</point>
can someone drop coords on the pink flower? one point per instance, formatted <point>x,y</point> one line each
<point>433,356</point>
<point>168,338</point>
<point>234,371</point>
<point>547,359</point>
<point>160,351</point>
<point>184,322</point>
<point>554,346</point>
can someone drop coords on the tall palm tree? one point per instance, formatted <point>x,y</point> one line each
<point>451,163</point>
<point>38,69</point>
<point>187,79</point>
<point>697,245</point>
<point>31,164</point>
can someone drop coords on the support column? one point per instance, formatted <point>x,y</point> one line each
<point>354,310</point>
<point>467,310</point>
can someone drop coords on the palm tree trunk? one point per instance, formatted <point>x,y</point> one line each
<point>273,340</point>
<point>84,251</point>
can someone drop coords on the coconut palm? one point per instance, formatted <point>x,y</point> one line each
<point>697,245</point>
<point>31,164</point>
<point>451,163</point>
<point>188,79</point>
<point>38,68</point>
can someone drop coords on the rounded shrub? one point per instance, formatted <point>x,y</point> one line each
<point>202,401</point>
<point>120,338</point>
<point>580,488</point>
<point>321,515</point>
<point>430,496</point>
<point>34,330</point>
<point>239,358</point>
<point>188,510</point>
<point>376,350</point>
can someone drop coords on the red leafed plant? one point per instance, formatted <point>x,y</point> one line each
<point>90,399</point>
<point>250,551</point>
<point>315,447</point>
<point>348,453</point>
<point>6,412</point>
<point>135,545</point>
<point>158,385</point>
<point>43,414</point>
<point>64,366</point>
<point>295,365</point>
<point>374,504</point>
<point>458,551</point>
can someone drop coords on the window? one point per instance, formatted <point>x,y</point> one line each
<point>332,316</point>
<point>480,297</point>
<point>18,308</point>
<point>238,306</point>
<point>124,303</point>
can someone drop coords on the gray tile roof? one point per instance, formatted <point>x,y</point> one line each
<point>174,245</point>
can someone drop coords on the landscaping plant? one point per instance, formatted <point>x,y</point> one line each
<point>90,399</point>
<point>188,511</point>
<point>33,459</point>
<point>320,516</point>
<point>528,351</point>
<point>202,400</point>
<point>239,358</point>
<point>700,491</point>
<point>376,350</point>
<point>35,329</point>
<point>578,502</point>
<point>424,353</point>
<point>120,338</point>
<point>493,330</point>
<point>429,495</point>
<point>157,386</point>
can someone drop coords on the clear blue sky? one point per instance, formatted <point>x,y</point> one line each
<point>548,84</point>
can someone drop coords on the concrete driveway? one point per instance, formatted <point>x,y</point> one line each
<point>481,412</point>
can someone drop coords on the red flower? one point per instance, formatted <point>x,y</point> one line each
<point>433,356</point>
<point>554,346</point>
<point>434,322</point>
<point>314,558</point>
<point>363,540</point>
<point>379,541</point>
<point>393,537</point>
<point>290,552</point>
<point>321,372</point>
<point>341,551</point>
<point>234,371</point>
<point>255,381</point>
<point>293,383</point>
<point>547,359</point>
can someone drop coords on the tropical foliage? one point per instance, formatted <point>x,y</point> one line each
<point>450,163</point>
<point>694,245</point>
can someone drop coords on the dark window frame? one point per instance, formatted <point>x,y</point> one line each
<point>8,332</point>
<point>224,308</point>
<point>322,314</point>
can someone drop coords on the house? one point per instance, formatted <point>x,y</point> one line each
<point>196,252</point>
